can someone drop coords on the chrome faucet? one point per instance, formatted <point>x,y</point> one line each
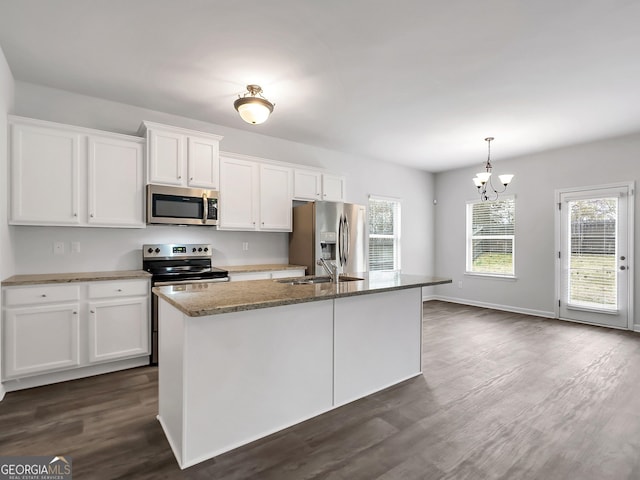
<point>333,272</point>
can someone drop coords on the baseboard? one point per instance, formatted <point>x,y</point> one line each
<point>493,306</point>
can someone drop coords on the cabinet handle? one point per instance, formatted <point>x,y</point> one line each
<point>191,178</point>
<point>119,290</point>
<point>92,311</point>
<point>43,295</point>
<point>262,223</point>
<point>91,215</point>
<point>75,313</point>
<point>75,214</point>
<point>179,177</point>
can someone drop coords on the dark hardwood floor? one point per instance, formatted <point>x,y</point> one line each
<point>503,396</point>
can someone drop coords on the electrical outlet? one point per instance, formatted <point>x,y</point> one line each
<point>58,248</point>
<point>245,246</point>
<point>460,284</point>
<point>75,247</point>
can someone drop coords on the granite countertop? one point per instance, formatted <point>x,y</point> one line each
<point>269,267</point>
<point>197,300</point>
<point>35,279</point>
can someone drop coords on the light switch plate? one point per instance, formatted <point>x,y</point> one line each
<point>58,248</point>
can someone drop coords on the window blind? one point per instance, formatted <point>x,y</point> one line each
<point>384,234</point>
<point>491,236</point>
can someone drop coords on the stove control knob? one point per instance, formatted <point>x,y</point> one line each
<point>157,250</point>
<point>200,249</point>
<point>206,249</point>
<point>150,250</point>
<point>194,249</point>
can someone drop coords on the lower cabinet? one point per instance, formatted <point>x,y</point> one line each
<point>41,339</point>
<point>53,328</point>
<point>118,329</point>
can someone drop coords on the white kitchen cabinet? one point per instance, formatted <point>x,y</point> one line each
<point>275,197</point>
<point>73,176</point>
<point>40,339</point>
<point>177,156</point>
<point>53,328</point>
<point>254,195</point>
<point>238,194</point>
<point>116,182</point>
<point>307,184</point>
<point>333,188</point>
<point>118,329</point>
<point>44,175</point>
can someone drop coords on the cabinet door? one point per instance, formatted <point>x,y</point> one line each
<point>238,194</point>
<point>116,183</point>
<point>40,339</point>
<point>44,176</point>
<point>118,329</point>
<point>275,198</point>
<point>333,188</point>
<point>203,163</point>
<point>307,185</point>
<point>166,157</point>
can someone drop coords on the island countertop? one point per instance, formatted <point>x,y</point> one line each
<point>201,299</point>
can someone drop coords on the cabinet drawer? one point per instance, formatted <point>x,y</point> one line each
<point>119,289</point>
<point>39,294</point>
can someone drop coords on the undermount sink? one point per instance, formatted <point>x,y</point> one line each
<point>313,280</point>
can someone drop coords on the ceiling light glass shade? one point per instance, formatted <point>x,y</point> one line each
<point>253,109</point>
<point>483,176</point>
<point>505,179</point>
<point>477,182</point>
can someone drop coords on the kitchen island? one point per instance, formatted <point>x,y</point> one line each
<point>242,360</point>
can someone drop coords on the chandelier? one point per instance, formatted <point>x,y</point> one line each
<point>252,108</point>
<point>483,179</point>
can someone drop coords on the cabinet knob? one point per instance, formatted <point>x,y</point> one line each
<point>191,178</point>
<point>75,214</point>
<point>92,311</point>
<point>179,177</point>
<point>91,215</point>
<point>75,313</point>
<point>43,295</point>
<point>119,290</point>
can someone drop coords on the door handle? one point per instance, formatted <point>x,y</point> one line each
<point>205,209</point>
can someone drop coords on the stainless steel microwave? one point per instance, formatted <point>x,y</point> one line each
<point>181,206</point>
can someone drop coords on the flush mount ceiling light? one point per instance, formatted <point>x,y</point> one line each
<point>483,179</point>
<point>252,106</point>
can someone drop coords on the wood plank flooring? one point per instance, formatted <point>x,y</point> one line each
<point>503,396</point>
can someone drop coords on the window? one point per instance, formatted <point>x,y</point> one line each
<point>490,237</point>
<point>384,233</point>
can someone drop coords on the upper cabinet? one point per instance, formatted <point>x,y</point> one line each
<point>315,185</point>
<point>254,195</point>
<point>64,175</point>
<point>177,156</point>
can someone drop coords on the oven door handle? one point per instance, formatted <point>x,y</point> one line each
<point>182,282</point>
<point>205,209</point>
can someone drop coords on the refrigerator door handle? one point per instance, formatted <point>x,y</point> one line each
<point>346,241</point>
<point>340,229</point>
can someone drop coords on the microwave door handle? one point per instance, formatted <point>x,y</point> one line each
<point>205,210</point>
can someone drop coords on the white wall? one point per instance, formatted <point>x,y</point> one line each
<point>6,248</point>
<point>107,249</point>
<point>537,177</point>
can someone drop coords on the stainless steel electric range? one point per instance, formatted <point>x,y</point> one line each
<point>175,264</point>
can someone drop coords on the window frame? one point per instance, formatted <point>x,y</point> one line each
<point>469,238</point>
<point>397,232</point>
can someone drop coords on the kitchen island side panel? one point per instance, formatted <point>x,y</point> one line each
<point>255,372</point>
<point>377,342</point>
<point>171,377</point>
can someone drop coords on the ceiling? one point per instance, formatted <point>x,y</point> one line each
<point>418,82</point>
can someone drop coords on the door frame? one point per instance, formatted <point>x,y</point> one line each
<point>630,243</point>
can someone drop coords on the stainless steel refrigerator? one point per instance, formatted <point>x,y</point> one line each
<point>334,231</point>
